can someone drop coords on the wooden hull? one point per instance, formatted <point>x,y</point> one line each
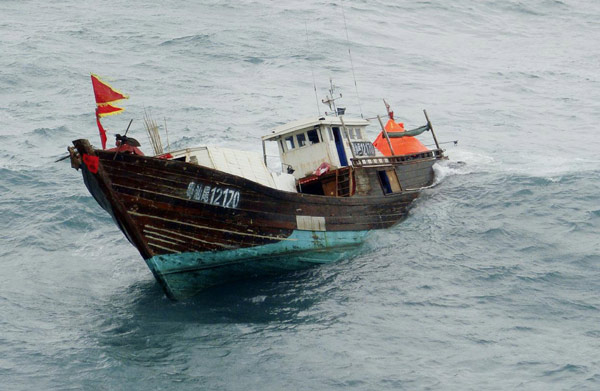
<point>196,227</point>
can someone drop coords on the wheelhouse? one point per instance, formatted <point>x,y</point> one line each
<point>307,144</point>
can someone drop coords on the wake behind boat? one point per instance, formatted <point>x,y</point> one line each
<point>202,216</point>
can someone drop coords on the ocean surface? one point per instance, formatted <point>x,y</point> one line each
<point>492,283</point>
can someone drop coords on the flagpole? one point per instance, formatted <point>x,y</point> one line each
<point>127,130</point>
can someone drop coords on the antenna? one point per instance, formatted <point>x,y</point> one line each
<point>350,55</point>
<point>330,101</point>
<point>312,70</point>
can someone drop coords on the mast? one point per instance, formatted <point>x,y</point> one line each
<point>330,100</point>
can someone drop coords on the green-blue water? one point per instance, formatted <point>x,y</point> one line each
<point>491,283</point>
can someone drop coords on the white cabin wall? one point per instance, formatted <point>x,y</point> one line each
<point>347,146</point>
<point>306,159</point>
<point>335,159</point>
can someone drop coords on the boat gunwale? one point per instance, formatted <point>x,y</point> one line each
<point>176,167</point>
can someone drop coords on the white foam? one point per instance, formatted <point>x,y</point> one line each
<point>462,162</point>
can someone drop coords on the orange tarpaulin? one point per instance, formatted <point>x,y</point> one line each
<point>402,146</point>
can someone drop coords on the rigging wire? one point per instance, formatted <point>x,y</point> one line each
<point>350,55</point>
<point>312,70</point>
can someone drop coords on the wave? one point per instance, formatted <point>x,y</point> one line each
<point>188,40</point>
<point>48,132</point>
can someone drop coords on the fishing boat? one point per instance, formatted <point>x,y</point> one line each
<point>206,215</point>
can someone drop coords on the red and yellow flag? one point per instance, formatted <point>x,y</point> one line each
<point>107,109</point>
<point>101,130</point>
<point>105,95</point>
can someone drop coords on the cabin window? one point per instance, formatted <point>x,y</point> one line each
<point>330,133</point>
<point>301,139</point>
<point>358,134</point>
<point>351,133</point>
<point>313,136</point>
<point>289,143</point>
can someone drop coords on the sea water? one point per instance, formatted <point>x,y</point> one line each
<point>492,282</point>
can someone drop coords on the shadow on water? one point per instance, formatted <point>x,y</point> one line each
<point>141,323</point>
<point>279,300</point>
<point>258,300</point>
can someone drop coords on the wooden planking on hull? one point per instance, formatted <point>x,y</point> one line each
<point>165,210</point>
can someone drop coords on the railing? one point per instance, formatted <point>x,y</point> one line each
<point>397,159</point>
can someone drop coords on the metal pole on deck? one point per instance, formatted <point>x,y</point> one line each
<point>385,133</point>
<point>431,128</point>
<point>264,152</point>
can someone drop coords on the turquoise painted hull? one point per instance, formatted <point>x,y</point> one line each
<point>185,274</point>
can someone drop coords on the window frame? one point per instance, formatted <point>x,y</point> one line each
<point>289,141</point>
<point>316,134</point>
<point>301,142</point>
<point>359,134</point>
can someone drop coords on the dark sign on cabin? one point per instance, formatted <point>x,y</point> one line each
<point>363,148</point>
